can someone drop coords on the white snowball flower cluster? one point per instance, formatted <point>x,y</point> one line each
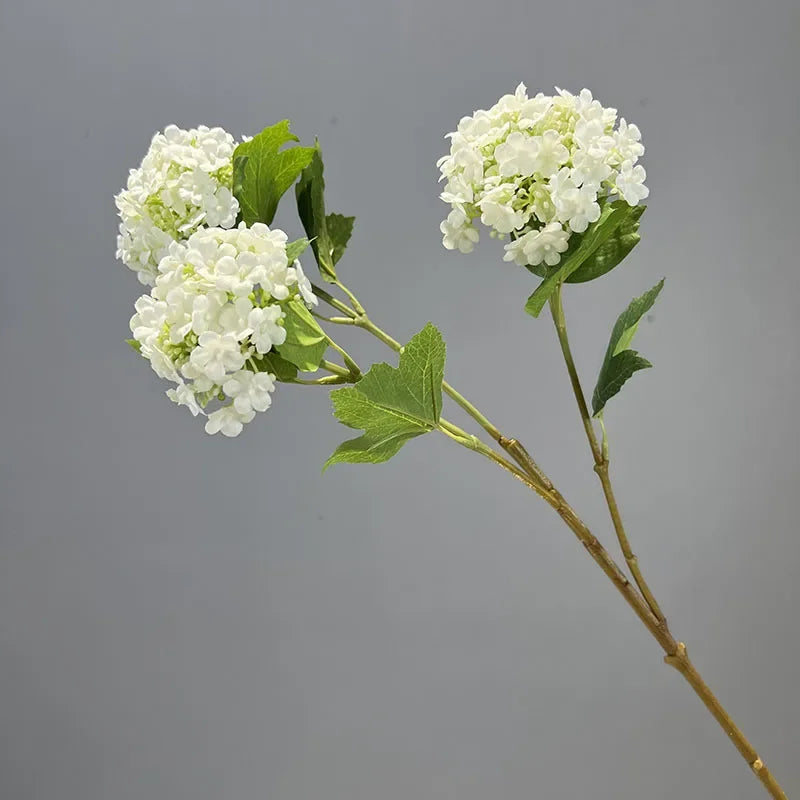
<point>183,182</point>
<point>538,168</point>
<point>213,314</point>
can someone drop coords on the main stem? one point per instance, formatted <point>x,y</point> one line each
<point>676,654</point>
<point>599,454</point>
<point>528,472</point>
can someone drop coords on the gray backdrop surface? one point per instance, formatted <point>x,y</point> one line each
<point>191,617</point>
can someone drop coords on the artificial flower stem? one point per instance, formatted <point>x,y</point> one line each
<point>327,380</point>
<point>357,307</point>
<point>599,453</point>
<point>337,370</point>
<point>361,320</point>
<point>676,653</point>
<point>332,301</point>
<point>354,371</point>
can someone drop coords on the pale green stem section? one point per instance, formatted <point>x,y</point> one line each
<point>532,476</point>
<point>360,319</point>
<point>600,454</point>
<point>354,371</point>
<point>676,653</point>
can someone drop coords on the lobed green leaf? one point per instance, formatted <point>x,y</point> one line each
<point>392,405</point>
<point>262,172</point>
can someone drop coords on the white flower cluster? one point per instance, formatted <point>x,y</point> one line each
<point>214,312</point>
<point>183,182</point>
<point>538,168</point>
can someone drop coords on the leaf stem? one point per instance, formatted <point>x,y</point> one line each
<point>360,319</point>
<point>353,370</point>
<point>600,454</point>
<point>335,368</point>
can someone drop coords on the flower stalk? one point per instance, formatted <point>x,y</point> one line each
<point>527,471</point>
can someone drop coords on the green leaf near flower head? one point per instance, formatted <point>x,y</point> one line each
<point>306,342</point>
<point>329,233</point>
<point>611,216</point>
<point>620,362</point>
<point>135,345</point>
<point>282,369</point>
<point>609,254</point>
<point>340,229</point>
<point>295,249</point>
<point>262,172</point>
<point>392,405</point>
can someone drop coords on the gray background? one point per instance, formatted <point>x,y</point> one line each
<point>190,617</point>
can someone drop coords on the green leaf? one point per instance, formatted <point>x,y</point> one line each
<point>262,172</point>
<point>609,254</point>
<point>306,342</point>
<point>295,249</point>
<point>620,362</point>
<point>596,234</point>
<point>329,234</point>
<point>392,405</point>
<point>340,229</point>
<point>135,345</point>
<point>271,362</point>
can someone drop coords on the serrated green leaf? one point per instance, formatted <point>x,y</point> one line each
<point>392,405</point>
<point>306,342</point>
<point>135,345</point>
<point>620,362</point>
<point>609,254</point>
<point>330,233</point>
<point>282,369</point>
<point>340,229</point>
<point>262,172</point>
<point>596,234</point>
<point>295,249</point>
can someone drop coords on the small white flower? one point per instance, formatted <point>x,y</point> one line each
<point>628,143</point>
<point>227,421</point>
<point>591,136</point>
<point>457,192</point>
<point>183,395</point>
<point>264,328</point>
<point>575,206</point>
<point>537,246</point>
<point>304,286</point>
<point>518,155</point>
<point>217,354</point>
<point>589,169</point>
<point>630,183</point>
<point>458,232</point>
<point>234,318</point>
<point>497,210</point>
<point>250,390</point>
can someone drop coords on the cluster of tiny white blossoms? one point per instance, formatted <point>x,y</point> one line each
<point>184,182</point>
<point>539,169</point>
<point>215,311</point>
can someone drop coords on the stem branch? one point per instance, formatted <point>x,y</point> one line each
<point>528,472</point>
<point>600,455</point>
